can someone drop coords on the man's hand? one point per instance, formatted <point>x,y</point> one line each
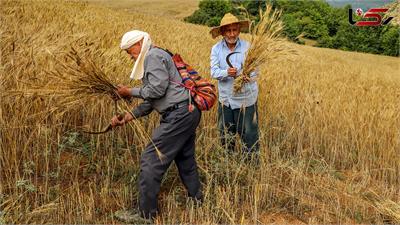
<point>117,121</point>
<point>120,120</point>
<point>232,72</point>
<point>124,91</point>
<point>246,79</point>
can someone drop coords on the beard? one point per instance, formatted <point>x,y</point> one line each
<point>231,40</point>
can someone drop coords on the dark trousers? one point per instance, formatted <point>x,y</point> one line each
<point>175,140</point>
<point>242,121</point>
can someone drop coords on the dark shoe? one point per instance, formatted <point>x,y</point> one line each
<point>132,217</point>
<point>197,202</point>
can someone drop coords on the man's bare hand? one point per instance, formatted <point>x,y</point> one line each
<point>124,91</point>
<point>246,79</point>
<point>117,121</point>
<point>232,72</point>
<point>128,117</point>
<point>120,120</point>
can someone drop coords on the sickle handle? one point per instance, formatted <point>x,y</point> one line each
<point>227,59</point>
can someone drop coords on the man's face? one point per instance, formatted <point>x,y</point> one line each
<point>134,51</point>
<point>231,33</point>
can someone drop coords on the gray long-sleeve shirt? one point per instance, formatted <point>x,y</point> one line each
<point>160,89</point>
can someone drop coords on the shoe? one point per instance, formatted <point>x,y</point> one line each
<point>131,217</point>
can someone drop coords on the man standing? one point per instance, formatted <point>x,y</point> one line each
<point>237,112</point>
<point>174,137</point>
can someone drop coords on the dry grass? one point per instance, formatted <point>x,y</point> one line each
<point>329,125</point>
<point>177,9</point>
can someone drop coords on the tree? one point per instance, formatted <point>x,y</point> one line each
<point>292,28</point>
<point>210,12</point>
<point>390,40</point>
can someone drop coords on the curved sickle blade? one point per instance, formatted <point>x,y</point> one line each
<point>105,130</point>
<point>227,59</point>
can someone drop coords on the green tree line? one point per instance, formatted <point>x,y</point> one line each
<point>314,20</point>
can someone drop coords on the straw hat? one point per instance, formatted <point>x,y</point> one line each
<point>226,20</point>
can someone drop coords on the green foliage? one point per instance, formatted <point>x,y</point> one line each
<point>210,12</point>
<point>292,27</point>
<point>390,40</point>
<point>26,185</point>
<point>251,6</point>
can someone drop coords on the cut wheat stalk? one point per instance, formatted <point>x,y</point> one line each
<point>266,45</point>
<point>84,79</point>
<point>385,206</point>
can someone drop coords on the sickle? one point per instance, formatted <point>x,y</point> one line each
<point>227,59</point>
<point>105,129</point>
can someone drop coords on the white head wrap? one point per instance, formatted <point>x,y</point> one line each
<point>130,38</point>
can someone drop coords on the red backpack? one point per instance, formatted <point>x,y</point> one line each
<point>203,92</point>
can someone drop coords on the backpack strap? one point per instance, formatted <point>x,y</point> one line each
<point>165,50</point>
<point>173,60</point>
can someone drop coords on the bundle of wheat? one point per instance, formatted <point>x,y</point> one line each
<point>72,80</point>
<point>80,78</point>
<point>267,44</point>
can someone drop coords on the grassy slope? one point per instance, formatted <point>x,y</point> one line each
<point>177,9</point>
<point>329,131</point>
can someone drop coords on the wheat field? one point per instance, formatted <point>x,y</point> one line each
<point>329,121</point>
<point>176,9</point>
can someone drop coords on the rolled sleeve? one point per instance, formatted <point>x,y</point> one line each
<point>135,92</point>
<point>143,109</point>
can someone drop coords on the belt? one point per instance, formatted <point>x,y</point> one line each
<point>176,106</point>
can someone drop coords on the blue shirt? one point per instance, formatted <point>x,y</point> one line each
<point>219,70</point>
